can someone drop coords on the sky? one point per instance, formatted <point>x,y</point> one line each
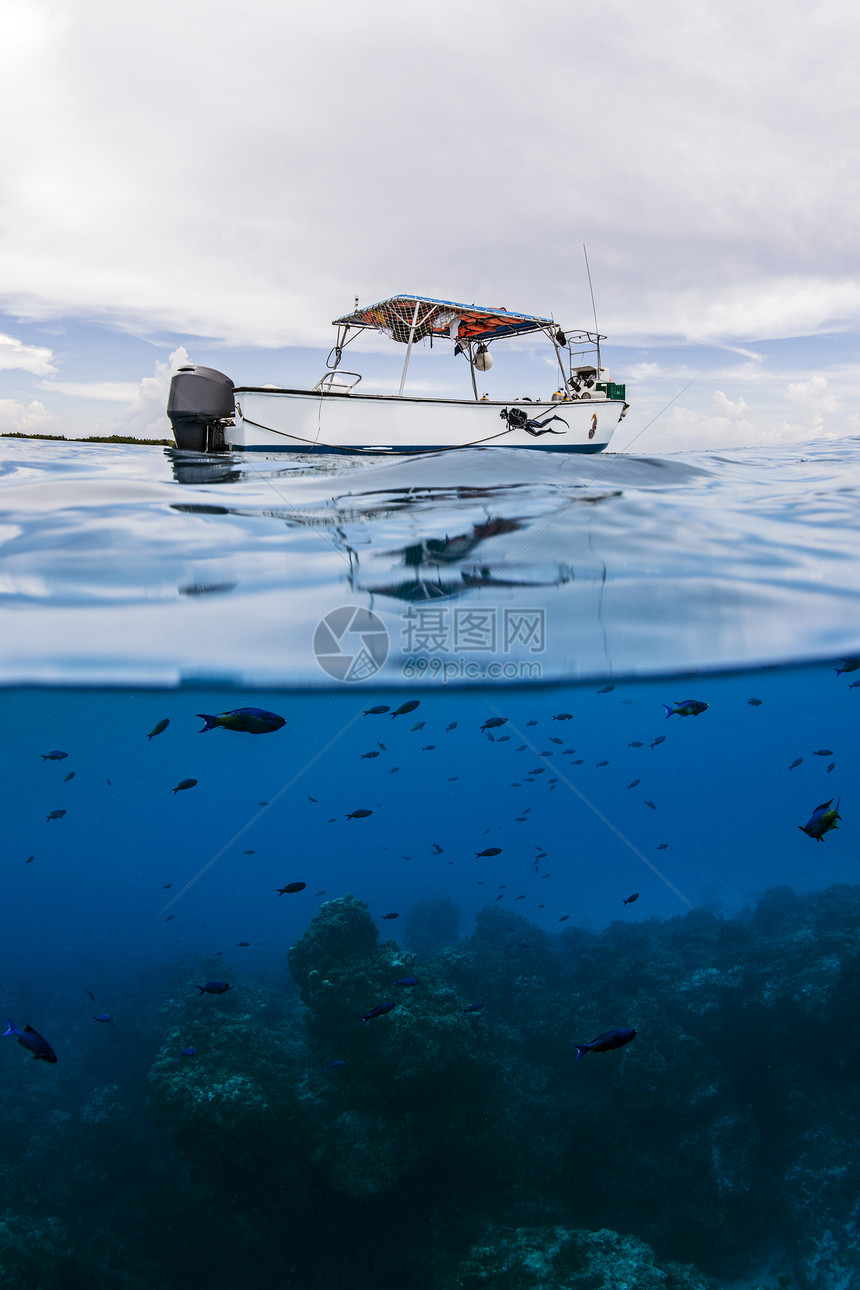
<point>217,181</point>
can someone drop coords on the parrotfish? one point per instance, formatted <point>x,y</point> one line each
<point>822,820</point>
<point>379,1011</point>
<point>686,708</point>
<point>605,1042</point>
<point>250,721</point>
<point>183,784</point>
<point>32,1040</point>
<point>409,706</point>
<point>156,730</point>
<point>56,755</point>
<point>214,987</point>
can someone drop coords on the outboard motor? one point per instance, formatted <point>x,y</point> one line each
<point>200,405</point>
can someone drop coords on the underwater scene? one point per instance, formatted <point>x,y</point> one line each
<point>422,884</point>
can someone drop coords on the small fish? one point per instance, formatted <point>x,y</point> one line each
<point>819,752</point>
<point>379,1011</point>
<point>90,995</point>
<point>472,1007</point>
<point>377,711</point>
<point>320,893</point>
<point>531,723</point>
<point>648,802</point>
<point>358,815</point>
<point>607,689</point>
<point>368,755</point>
<point>796,762</point>
<point>659,740</point>
<point>186,1052</point>
<point>407,980</point>
<point>387,916</point>
<point>504,739</point>
<point>395,769</point>
<point>832,766</point>
<point>169,918</point>
<point>520,897</point>
<point>167,886</point>
<point>56,755</point>
<point>630,899</point>
<point>662,846</point>
<point>564,918</point>
<point>213,987</point>
<point>249,853</point>
<point>489,851</point>
<point>156,730</point>
<point>419,725</point>
<point>604,1043</point>
<point>249,721</point>
<point>822,820</point>
<point>32,1040</point>
<point>540,770</point>
<point>633,783</point>
<point>848,665</point>
<point>29,859</point>
<point>183,784</point>
<point>104,1016</point>
<point>409,706</point>
<point>562,716</point>
<point>55,815</point>
<point>637,743</point>
<point>554,740</point>
<point>334,1066</point>
<point>428,747</point>
<point>492,722</point>
<point>294,886</point>
<point>602,763</point>
<point>686,708</point>
<point>71,775</point>
<point>381,745</point>
<point>242,945</point>
<point>754,703</point>
<point>437,850</point>
<point>312,799</point>
<point>453,726</point>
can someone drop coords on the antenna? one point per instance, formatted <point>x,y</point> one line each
<point>590,287</point>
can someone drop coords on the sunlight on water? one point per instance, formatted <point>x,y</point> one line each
<point>324,981</point>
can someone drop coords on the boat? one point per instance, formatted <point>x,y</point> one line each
<point>209,413</point>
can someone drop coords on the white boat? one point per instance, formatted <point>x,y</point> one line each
<point>208,413</point>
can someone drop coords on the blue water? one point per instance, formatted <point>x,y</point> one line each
<point>567,602</point>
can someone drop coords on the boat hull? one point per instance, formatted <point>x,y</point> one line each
<point>310,421</point>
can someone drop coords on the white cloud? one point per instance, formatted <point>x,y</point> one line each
<point>101,391</point>
<point>812,397</point>
<point>341,161</point>
<point>29,358</point>
<point>31,418</point>
<point>145,417</point>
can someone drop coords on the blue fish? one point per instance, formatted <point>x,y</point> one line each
<point>55,815</point>
<point>686,708</point>
<point>250,721</point>
<point>56,755</point>
<point>603,1043</point>
<point>822,820</point>
<point>334,1066</point>
<point>472,1007</point>
<point>407,980</point>
<point>104,1016</point>
<point>379,1011</point>
<point>32,1040</point>
<point>187,1052</point>
<point>213,987</point>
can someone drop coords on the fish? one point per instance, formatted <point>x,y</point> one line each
<point>250,721</point>
<point>183,784</point>
<point>564,918</point>
<point>379,744</point>
<point>831,766</point>
<point>659,740</point>
<point>489,851</point>
<point>407,980</point>
<point>56,755</point>
<point>428,747</point>
<point>819,752</point>
<point>387,916</point>
<point>637,743</point>
<point>607,689</point>
<point>419,725</point>
<point>472,1007</point>
<point>377,711</point>
<point>292,887</point>
<point>822,820</point>
<point>249,853</point>
<point>334,1066</point>
<point>754,703</point>
<point>531,723</point>
<point>379,1011</point>
<point>90,995</point>
<point>167,886</point>
<point>453,726</point>
<point>104,1016</point>
<point>409,706</point>
<point>157,729</point>
<point>796,762</point>
<point>605,1042</point>
<point>601,763</point>
<point>686,708</point>
<point>31,1039</point>
<point>648,802</point>
<point>29,859</point>
<point>186,1052</point>
<point>242,945</point>
<point>662,846</point>
<point>492,722</point>
<point>169,918</point>
<point>214,987</point>
<point>358,815</point>
<point>312,799</point>
<point>55,815</point>
<point>504,739</point>
<point>366,756</point>
<point>437,850</point>
<point>562,716</point>
<point>634,782</point>
<point>395,769</point>
<point>848,665</point>
<point>630,899</point>
<point>71,775</point>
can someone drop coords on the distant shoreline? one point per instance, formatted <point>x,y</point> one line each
<point>93,438</point>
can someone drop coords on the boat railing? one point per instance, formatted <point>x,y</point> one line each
<point>333,383</point>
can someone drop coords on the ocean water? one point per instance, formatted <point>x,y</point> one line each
<point>546,851</point>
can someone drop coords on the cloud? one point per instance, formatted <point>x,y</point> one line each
<point>101,391</point>
<point>381,147</point>
<point>145,416</point>
<point>31,418</point>
<point>29,358</point>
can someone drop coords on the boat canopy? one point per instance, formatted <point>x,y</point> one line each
<point>446,319</point>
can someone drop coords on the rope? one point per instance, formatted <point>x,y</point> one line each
<point>314,444</point>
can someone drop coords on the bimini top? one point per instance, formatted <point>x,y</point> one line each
<point>441,318</point>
